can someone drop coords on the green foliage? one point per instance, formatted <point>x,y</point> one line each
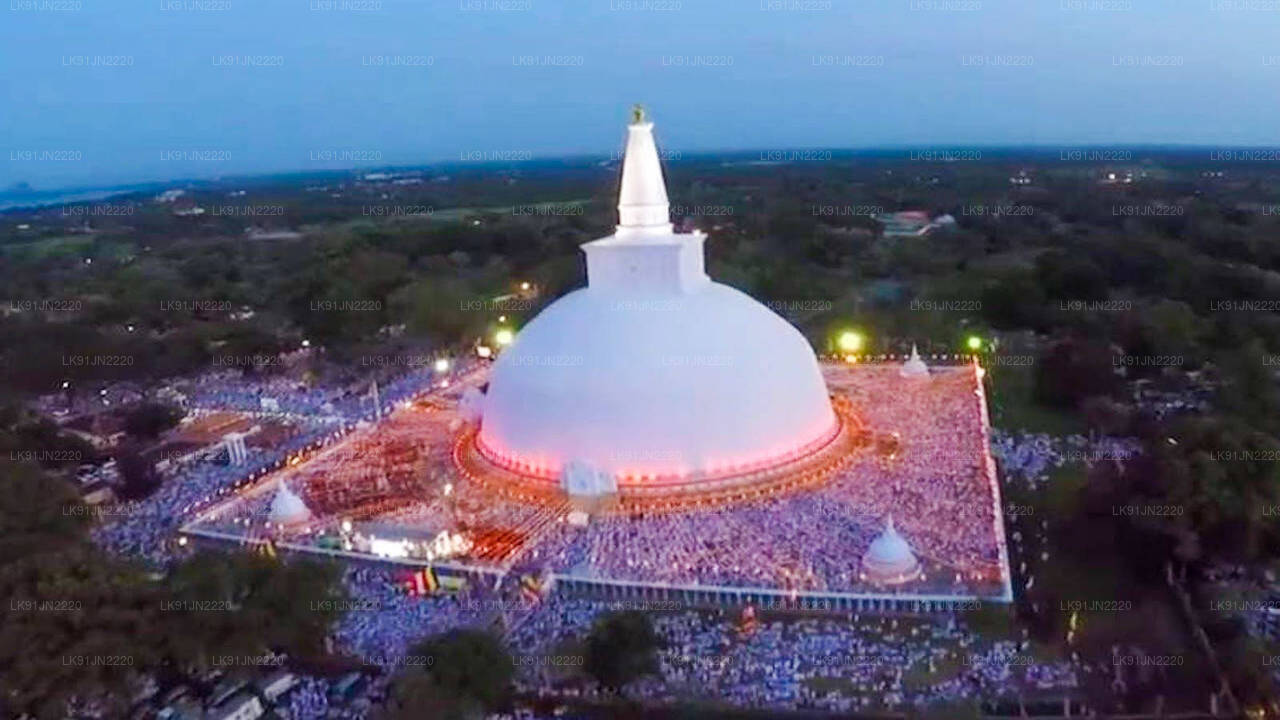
<point>620,648</point>
<point>82,625</point>
<point>465,674</point>
<point>1075,368</point>
<point>37,513</point>
<point>261,604</point>
<point>148,420</point>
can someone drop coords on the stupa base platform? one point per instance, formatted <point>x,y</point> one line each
<point>639,495</point>
<point>914,450</point>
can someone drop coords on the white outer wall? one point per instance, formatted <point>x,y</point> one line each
<point>655,383</point>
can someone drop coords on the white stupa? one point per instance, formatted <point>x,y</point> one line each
<point>889,560</point>
<point>287,507</point>
<point>914,366</point>
<point>653,371</point>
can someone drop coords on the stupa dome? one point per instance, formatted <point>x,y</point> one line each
<point>653,370</point>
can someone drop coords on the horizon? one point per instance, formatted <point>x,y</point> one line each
<point>671,155</point>
<point>103,96</point>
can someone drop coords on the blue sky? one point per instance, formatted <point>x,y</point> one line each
<point>105,91</point>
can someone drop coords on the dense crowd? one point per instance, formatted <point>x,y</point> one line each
<point>1031,457</point>
<point>933,482</point>
<point>233,390</point>
<point>146,528</point>
<point>388,620</point>
<point>837,663</point>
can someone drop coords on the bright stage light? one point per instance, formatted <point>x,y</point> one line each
<point>484,351</point>
<point>389,548</point>
<point>442,365</point>
<point>524,286</point>
<point>850,341</point>
<point>975,342</point>
<point>504,336</point>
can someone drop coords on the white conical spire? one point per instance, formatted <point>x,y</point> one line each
<point>642,200</point>
<point>287,507</point>
<point>914,366</point>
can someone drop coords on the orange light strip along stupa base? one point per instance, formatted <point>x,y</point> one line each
<point>810,470</point>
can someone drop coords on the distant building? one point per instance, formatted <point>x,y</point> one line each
<point>97,492</point>
<point>911,223</point>
<point>277,684</point>
<point>184,709</point>
<point>254,232</point>
<point>242,706</point>
<point>103,430</point>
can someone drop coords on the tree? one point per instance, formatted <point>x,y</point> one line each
<point>38,513</point>
<point>1104,415</point>
<point>148,420</point>
<point>620,648</point>
<point>1013,301</point>
<point>1070,276</point>
<point>1073,369</point>
<point>248,604</point>
<point>77,624</point>
<point>463,674</point>
<point>138,475</point>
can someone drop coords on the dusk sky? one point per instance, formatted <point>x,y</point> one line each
<point>95,92</point>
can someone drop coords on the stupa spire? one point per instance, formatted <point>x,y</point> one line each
<point>914,366</point>
<point>642,200</point>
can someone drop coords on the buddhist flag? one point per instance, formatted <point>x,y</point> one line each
<point>530,588</point>
<point>425,582</point>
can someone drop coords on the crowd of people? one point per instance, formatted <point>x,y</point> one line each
<point>1031,457</point>
<point>286,393</point>
<point>932,479</point>
<point>835,663</point>
<point>933,482</point>
<point>146,528</point>
<point>388,619</point>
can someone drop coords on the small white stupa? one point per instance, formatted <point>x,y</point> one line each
<point>914,366</point>
<point>287,507</point>
<point>889,560</point>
